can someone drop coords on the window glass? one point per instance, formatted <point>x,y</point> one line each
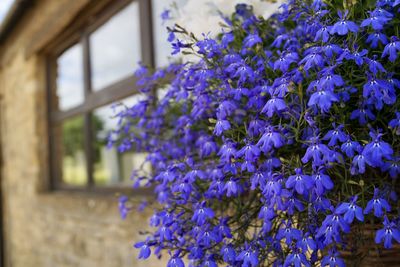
<point>70,92</point>
<point>73,153</point>
<point>115,48</point>
<point>161,46</point>
<point>110,166</point>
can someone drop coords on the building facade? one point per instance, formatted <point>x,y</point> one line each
<point>62,63</point>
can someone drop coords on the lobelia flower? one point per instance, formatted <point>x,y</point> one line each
<point>351,210</point>
<point>288,233</point>
<point>377,150</point>
<point>251,40</point>
<point>323,99</point>
<point>343,26</point>
<point>322,181</point>
<point>228,254</point>
<point>221,126</point>
<point>335,135</point>
<point>389,232</point>
<point>175,262</point>
<point>376,38</point>
<point>306,243</point>
<point>202,213</point>
<point>332,49</point>
<point>317,152</point>
<point>270,139</point>
<point>322,34</point>
<point>231,188</point>
<point>376,21</point>
<point>350,147</point>
<point>374,66</point>
<point>248,257</point>
<point>313,59</point>
<point>145,250</point>
<point>300,182</point>
<point>296,259</point>
<point>123,208</point>
<point>393,167</point>
<point>363,115</point>
<point>332,259</point>
<point>377,204</point>
<point>274,105</point>
<point>284,61</point>
<point>392,49</point>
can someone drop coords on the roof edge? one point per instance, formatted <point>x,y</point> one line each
<point>16,11</point>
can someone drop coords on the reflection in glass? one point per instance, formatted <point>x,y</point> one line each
<point>110,166</point>
<point>73,155</point>
<point>115,47</point>
<point>70,78</point>
<point>161,46</point>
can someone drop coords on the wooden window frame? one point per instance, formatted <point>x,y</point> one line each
<point>89,20</point>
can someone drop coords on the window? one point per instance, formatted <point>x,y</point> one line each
<point>90,67</point>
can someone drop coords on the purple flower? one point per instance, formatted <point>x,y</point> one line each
<point>231,188</point>
<point>374,66</point>
<point>249,151</point>
<point>358,165</point>
<point>343,26</point>
<point>313,59</point>
<point>175,262</point>
<point>166,14</point>
<point>284,61</point>
<point>251,40</point>
<point>333,260</point>
<point>274,105</point>
<point>322,34</point>
<point>389,232</point>
<point>322,181</point>
<point>375,151</point>
<point>375,20</point>
<point>228,254</point>
<point>362,114</point>
<point>350,210</point>
<point>317,152</point>
<point>123,208</point>
<point>323,99</point>
<point>350,147</point>
<point>335,135</point>
<point>221,126</point>
<point>393,167</point>
<point>248,257</point>
<point>377,204</point>
<point>288,233</point>
<point>202,213</point>
<point>300,182</point>
<point>144,250</point>
<point>391,49</point>
<point>375,38</point>
<point>296,259</point>
<point>270,139</point>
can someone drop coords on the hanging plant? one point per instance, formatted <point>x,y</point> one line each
<point>280,144</point>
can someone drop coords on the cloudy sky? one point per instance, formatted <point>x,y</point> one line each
<point>4,6</point>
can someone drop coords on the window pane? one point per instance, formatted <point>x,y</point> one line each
<point>162,46</point>
<point>72,152</point>
<point>115,48</point>
<point>110,166</point>
<point>70,78</point>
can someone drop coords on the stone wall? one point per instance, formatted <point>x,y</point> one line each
<point>45,228</point>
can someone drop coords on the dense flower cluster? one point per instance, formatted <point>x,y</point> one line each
<point>280,143</point>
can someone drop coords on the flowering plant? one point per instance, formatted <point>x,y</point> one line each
<point>280,143</point>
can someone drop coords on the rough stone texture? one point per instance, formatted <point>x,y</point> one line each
<point>44,228</point>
